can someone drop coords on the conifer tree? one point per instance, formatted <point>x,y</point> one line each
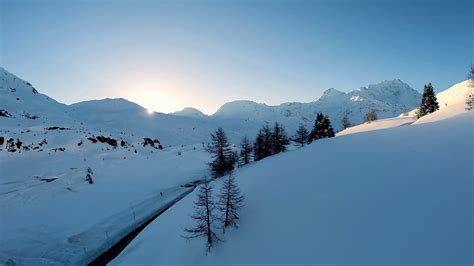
<point>279,139</point>
<point>224,157</point>
<point>203,216</point>
<point>302,135</point>
<point>230,202</point>
<point>345,123</point>
<point>370,116</point>
<point>245,151</point>
<point>263,143</point>
<point>429,103</point>
<point>322,128</point>
<point>258,149</point>
<point>470,94</point>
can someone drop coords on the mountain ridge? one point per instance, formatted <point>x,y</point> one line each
<point>239,118</point>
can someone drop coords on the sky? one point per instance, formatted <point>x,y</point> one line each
<point>167,55</point>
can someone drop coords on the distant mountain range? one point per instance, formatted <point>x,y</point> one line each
<point>23,106</point>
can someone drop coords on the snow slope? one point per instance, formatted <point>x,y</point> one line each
<point>54,217</point>
<point>452,102</point>
<point>22,101</point>
<point>379,124</point>
<point>396,196</point>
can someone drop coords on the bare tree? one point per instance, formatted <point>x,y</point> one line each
<point>203,216</point>
<point>230,202</point>
<point>245,151</point>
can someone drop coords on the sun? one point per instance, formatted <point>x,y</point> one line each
<point>149,112</point>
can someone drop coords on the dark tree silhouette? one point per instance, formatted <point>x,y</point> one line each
<point>470,95</point>
<point>230,202</point>
<point>279,139</point>
<point>245,151</point>
<point>370,116</point>
<point>89,175</point>
<point>223,156</point>
<point>429,103</point>
<point>263,143</point>
<point>322,128</point>
<point>345,123</point>
<point>302,135</point>
<point>203,216</point>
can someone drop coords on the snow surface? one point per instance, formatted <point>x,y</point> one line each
<point>452,102</point>
<point>54,217</point>
<point>396,196</point>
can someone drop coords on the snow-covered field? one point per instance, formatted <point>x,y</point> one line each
<point>402,195</point>
<point>399,191</point>
<point>49,214</point>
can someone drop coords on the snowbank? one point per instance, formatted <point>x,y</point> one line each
<point>395,196</point>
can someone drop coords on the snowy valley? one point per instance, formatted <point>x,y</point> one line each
<point>396,190</point>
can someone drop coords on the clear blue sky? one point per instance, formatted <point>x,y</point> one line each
<point>166,55</point>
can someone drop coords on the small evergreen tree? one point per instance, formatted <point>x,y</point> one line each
<point>230,202</point>
<point>258,149</point>
<point>89,175</point>
<point>322,128</point>
<point>370,116</point>
<point>302,135</point>
<point>245,151</point>
<point>263,143</point>
<point>429,103</point>
<point>203,216</point>
<point>279,139</point>
<point>470,95</point>
<point>224,157</point>
<point>345,123</point>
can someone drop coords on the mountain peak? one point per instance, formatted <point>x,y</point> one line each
<point>190,112</point>
<point>243,107</point>
<point>330,93</point>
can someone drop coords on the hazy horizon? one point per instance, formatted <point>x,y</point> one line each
<point>166,56</point>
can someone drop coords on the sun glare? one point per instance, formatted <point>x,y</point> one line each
<point>149,112</point>
<point>151,93</point>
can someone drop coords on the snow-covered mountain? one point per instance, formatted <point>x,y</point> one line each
<point>24,106</point>
<point>190,112</point>
<point>395,195</point>
<point>388,99</point>
<point>20,101</point>
<point>370,211</point>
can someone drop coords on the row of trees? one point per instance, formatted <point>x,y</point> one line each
<point>210,215</point>
<point>270,141</point>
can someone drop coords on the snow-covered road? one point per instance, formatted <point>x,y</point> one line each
<point>117,247</point>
